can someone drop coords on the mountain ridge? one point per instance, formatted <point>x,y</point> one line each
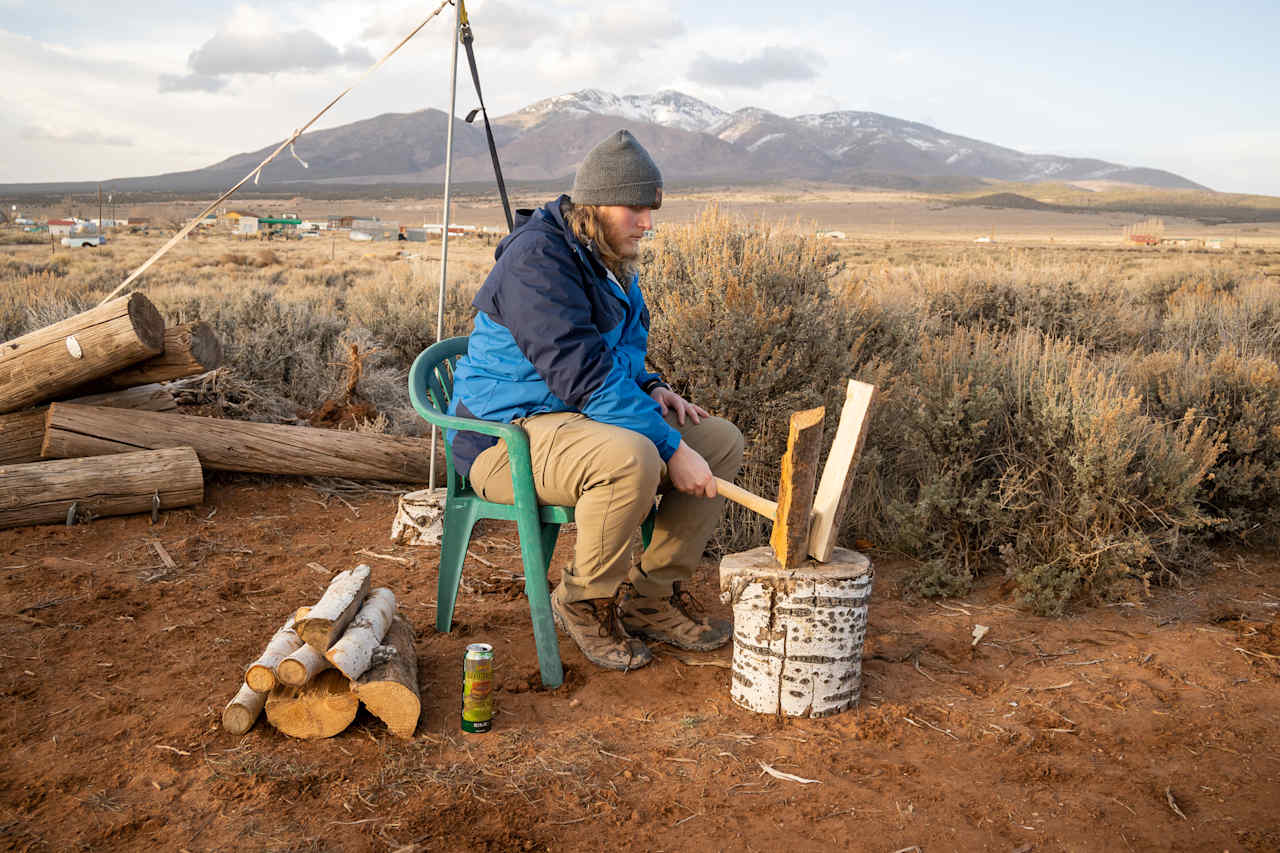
<point>694,141</point>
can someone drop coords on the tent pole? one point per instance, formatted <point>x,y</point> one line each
<point>444,224</point>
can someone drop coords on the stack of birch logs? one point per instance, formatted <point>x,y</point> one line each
<point>351,646</point>
<point>102,370</point>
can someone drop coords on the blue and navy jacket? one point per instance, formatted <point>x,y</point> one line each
<point>555,333</point>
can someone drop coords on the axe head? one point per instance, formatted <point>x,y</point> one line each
<point>796,484</point>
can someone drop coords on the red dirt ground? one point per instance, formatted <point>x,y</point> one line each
<point>1147,726</point>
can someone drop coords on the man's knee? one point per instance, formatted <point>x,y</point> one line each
<point>720,442</point>
<point>634,461</point>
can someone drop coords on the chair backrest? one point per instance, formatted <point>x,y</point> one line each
<point>431,388</point>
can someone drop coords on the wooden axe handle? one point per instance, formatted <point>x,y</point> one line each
<point>752,501</point>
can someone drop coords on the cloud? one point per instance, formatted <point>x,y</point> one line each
<point>770,65</point>
<point>250,42</point>
<point>191,83</point>
<point>267,53</point>
<point>36,133</point>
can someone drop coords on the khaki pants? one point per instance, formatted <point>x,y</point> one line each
<point>610,475</point>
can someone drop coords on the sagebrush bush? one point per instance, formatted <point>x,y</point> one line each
<point>742,324</point>
<point>1238,397</point>
<point>1018,452</point>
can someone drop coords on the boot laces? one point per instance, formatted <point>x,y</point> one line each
<point>683,600</point>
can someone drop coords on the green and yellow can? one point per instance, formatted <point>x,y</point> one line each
<point>477,688</point>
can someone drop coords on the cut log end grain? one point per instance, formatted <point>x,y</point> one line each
<point>329,617</point>
<point>148,325</point>
<point>261,674</point>
<point>389,689</point>
<point>322,707</point>
<point>243,710</point>
<point>301,666</point>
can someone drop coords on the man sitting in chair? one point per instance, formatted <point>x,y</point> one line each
<point>559,347</point>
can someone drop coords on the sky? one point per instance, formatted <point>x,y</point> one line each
<point>93,91</point>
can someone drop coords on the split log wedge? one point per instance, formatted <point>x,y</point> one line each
<point>261,674</point>
<point>796,483</point>
<point>226,445</point>
<point>49,362</point>
<point>243,710</point>
<point>329,617</point>
<point>836,485</point>
<point>22,433</point>
<point>322,707</point>
<point>352,654</point>
<point>189,350</point>
<point>45,492</point>
<point>389,688</point>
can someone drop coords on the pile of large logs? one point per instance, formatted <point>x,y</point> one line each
<point>101,374</point>
<point>349,647</point>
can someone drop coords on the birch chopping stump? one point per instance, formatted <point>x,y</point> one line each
<point>797,633</point>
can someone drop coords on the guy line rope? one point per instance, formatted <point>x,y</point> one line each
<point>288,143</point>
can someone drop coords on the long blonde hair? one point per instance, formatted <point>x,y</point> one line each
<point>589,227</point>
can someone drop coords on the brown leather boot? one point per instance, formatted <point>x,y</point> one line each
<point>677,620</point>
<point>595,626</point>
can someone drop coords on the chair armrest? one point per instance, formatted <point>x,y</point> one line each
<point>516,439</point>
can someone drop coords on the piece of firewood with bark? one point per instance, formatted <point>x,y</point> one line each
<point>261,674</point>
<point>352,653</point>
<point>329,617</point>
<point>243,710</point>
<point>389,688</point>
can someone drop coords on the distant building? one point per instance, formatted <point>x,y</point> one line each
<point>246,224</point>
<point>233,217</point>
<point>61,227</point>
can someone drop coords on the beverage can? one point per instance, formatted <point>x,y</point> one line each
<point>477,688</point>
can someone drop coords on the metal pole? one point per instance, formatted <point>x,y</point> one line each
<point>444,225</point>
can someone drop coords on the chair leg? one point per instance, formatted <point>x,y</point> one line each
<point>550,533</point>
<point>453,550</point>
<point>646,529</point>
<point>535,587</point>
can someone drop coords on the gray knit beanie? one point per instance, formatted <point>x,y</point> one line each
<point>618,171</point>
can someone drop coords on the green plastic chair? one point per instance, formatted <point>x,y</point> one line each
<point>430,388</point>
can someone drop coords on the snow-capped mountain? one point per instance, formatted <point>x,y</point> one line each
<point>692,141</point>
<point>668,108</point>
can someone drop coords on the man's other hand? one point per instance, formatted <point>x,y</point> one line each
<point>669,400</point>
<point>690,473</point>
